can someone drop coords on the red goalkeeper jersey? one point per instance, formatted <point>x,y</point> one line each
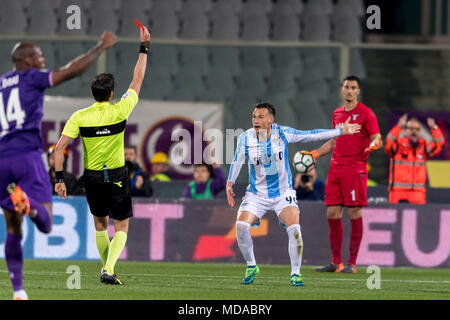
<point>349,149</point>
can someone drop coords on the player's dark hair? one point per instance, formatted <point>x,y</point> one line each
<point>208,166</point>
<point>101,87</point>
<point>265,105</point>
<point>352,78</point>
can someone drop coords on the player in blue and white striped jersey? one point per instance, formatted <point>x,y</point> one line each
<point>270,182</point>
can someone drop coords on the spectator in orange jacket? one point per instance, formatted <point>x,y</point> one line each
<point>408,154</point>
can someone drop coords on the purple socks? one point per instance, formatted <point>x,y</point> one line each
<point>14,259</point>
<point>42,219</point>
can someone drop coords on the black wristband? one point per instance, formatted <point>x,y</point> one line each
<point>59,176</point>
<point>144,46</point>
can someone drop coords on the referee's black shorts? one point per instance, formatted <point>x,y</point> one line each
<point>111,198</point>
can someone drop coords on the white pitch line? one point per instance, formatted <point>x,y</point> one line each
<point>275,279</point>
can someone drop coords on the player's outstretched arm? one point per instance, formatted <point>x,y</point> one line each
<point>82,63</point>
<point>141,65</point>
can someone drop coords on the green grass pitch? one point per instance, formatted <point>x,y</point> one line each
<point>47,279</point>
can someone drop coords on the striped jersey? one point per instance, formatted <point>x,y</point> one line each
<point>102,128</point>
<point>268,162</point>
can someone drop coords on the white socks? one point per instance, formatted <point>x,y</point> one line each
<point>20,295</point>
<point>245,242</point>
<point>295,248</point>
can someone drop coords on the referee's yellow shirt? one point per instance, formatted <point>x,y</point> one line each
<point>102,128</point>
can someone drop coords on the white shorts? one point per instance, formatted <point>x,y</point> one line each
<point>260,205</point>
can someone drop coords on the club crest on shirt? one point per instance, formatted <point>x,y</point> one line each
<point>355,116</point>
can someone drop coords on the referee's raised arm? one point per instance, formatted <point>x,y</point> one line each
<point>139,70</point>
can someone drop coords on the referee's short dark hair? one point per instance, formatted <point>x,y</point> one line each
<point>265,105</point>
<point>101,87</point>
<point>352,78</point>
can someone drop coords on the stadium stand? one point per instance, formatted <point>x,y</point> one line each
<point>38,26</point>
<point>12,17</point>
<point>163,19</point>
<point>238,76</point>
<point>226,55</point>
<point>224,21</point>
<point>346,22</point>
<point>61,12</point>
<point>255,22</point>
<point>97,13</point>
<point>131,10</point>
<point>194,21</point>
<point>286,24</point>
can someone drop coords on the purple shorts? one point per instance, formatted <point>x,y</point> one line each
<point>28,171</point>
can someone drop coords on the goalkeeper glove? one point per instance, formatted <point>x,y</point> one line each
<point>374,145</point>
<point>314,153</point>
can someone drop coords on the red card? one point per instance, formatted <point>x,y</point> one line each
<point>138,24</point>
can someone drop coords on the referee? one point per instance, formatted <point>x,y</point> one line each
<point>105,179</point>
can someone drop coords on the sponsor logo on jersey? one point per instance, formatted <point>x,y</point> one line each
<point>102,132</point>
<point>265,159</point>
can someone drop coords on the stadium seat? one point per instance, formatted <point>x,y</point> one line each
<point>130,10</point>
<point>72,88</point>
<point>296,5</point>
<point>256,57</point>
<point>67,51</point>
<point>319,89</point>
<point>5,55</point>
<point>163,20</point>
<point>195,56</point>
<point>282,80</point>
<point>287,57</point>
<point>286,25</point>
<point>346,29</point>
<point>252,80</point>
<point>204,5</point>
<point>157,84</point>
<point>267,5</point>
<point>355,7</point>
<point>12,18</point>
<point>285,114</point>
<point>314,54</point>
<point>165,55</point>
<point>49,53</point>
<point>224,21</point>
<point>42,18</point>
<point>316,22</point>
<point>357,66</point>
<point>188,85</point>
<point>318,7</point>
<point>316,27</point>
<point>255,22</point>
<point>226,55</point>
<point>236,4</point>
<point>102,17</point>
<point>194,22</point>
<point>62,12</point>
<point>346,21</point>
<point>310,114</point>
<point>219,84</point>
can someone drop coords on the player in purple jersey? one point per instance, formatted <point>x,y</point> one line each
<point>25,186</point>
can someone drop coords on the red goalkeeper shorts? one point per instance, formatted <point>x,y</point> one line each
<point>346,187</point>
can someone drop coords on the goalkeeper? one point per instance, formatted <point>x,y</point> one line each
<point>105,180</point>
<point>347,178</point>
